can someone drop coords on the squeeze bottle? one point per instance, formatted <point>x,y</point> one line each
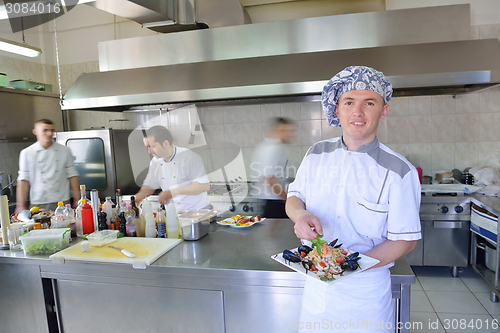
<point>150,226</point>
<point>87,219</point>
<point>172,221</point>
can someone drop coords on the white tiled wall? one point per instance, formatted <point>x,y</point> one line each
<point>436,132</point>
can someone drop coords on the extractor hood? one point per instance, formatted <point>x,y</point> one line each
<point>168,16</point>
<point>423,52</point>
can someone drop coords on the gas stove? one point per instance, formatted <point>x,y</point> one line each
<point>233,198</point>
<point>445,222</point>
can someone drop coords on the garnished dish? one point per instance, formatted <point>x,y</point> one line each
<point>327,262</point>
<point>239,221</point>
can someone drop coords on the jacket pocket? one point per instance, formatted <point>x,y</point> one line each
<point>370,218</point>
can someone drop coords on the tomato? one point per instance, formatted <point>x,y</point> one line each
<point>339,260</point>
<point>313,268</point>
<point>322,264</point>
<point>344,252</point>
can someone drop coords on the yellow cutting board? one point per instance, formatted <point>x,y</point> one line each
<point>146,251</point>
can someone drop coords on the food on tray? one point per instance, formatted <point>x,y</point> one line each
<point>244,220</point>
<point>325,260</point>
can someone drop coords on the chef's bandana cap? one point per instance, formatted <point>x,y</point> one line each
<point>353,78</point>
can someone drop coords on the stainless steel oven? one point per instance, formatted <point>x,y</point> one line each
<point>445,221</point>
<point>102,159</point>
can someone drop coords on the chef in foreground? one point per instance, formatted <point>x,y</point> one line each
<point>358,190</point>
<point>179,172</point>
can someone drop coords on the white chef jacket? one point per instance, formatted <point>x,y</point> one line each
<point>48,172</point>
<point>363,198</point>
<point>183,168</point>
<point>269,160</point>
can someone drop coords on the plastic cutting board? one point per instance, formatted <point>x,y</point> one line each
<point>146,251</point>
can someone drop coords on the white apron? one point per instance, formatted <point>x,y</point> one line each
<point>360,303</point>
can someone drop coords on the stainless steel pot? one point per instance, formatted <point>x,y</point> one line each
<point>490,256</point>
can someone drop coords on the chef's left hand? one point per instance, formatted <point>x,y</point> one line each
<point>164,197</point>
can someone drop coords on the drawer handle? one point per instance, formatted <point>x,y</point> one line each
<point>447,224</point>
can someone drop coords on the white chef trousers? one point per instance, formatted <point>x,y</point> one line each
<point>360,303</point>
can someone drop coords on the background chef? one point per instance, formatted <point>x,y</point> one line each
<point>357,190</point>
<point>178,171</point>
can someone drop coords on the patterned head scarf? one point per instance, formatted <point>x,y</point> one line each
<point>353,78</point>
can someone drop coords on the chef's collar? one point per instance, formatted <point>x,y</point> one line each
<point>173,155</point>
<point>38,146</point>
<point>364,148</point>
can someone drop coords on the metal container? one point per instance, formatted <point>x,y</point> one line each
<point>195,231</point>
<point>490,257</point>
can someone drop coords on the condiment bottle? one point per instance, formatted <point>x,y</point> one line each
<point>101,217</point>
<point>134,207</point>
<point>130,217</point>
<point>172,221</point>
<point>150,225</point>
<point>87,219</point>
<point>123,223</point>
<point>161,224</point>
<point>60,209</point>
<point>107,208</point>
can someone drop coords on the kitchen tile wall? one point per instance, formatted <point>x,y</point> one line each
<point>436,132</point>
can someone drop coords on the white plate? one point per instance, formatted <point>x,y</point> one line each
<point>239,226</point>
<point>364,263</point>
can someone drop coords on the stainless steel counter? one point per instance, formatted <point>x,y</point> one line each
<point>215,277</point>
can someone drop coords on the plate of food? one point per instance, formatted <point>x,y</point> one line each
<point>238,221</point>
<point>328,263</point>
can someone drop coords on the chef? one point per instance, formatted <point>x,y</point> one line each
<point>269,167</point>
<point>358,190</point>
<point>179,172</point>
<point>46,171</point>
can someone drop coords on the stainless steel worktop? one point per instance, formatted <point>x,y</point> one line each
<point>226,248</point>
<point>492,204</point>
<point>215,278</point>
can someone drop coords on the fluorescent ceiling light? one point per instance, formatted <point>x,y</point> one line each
<point>19,48</point>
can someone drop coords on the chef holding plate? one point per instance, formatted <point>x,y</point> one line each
<point>358,190</point>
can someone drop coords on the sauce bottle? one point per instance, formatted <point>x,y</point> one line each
<point>87,219</point>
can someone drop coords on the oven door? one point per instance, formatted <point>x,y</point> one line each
<point>446,242</point>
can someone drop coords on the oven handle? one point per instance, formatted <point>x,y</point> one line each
<point>447,224</point>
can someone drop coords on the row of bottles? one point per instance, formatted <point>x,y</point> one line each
<point>128,219</point>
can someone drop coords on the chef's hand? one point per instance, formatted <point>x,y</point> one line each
<point>19,208</point>
<point>307,226</point>
<point>164,197</point>
<point>75,203</point>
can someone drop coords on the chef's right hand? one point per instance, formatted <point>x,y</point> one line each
<point>304,225</point>
<point>19,208</point>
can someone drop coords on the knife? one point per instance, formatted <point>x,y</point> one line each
<point>125,252</point>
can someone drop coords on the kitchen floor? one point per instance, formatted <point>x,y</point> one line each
<point>442,303</point>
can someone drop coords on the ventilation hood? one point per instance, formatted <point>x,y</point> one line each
<point>423,51</point>
<point>177,15</point>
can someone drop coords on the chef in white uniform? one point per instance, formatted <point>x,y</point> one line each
<point>357,190</point>
<point>178,171</point>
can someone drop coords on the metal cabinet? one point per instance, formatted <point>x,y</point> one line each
<point>22,308</point>
<point>103,307</point>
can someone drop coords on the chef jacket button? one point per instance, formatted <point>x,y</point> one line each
<point>338,216</point>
